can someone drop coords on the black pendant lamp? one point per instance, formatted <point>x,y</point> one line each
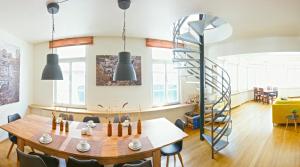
<point>52,69</point>
<point>124,70</point>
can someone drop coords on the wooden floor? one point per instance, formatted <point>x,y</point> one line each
<point>253,142</point>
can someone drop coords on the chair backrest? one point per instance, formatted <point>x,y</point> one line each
<point>12,118</point>
<point>67,117</point>
<point>142,164</point>
<point>73,162</point>
<point>123,118</point>
<point>180,124</point>
<point>95,119</point>
<point>27,160</point>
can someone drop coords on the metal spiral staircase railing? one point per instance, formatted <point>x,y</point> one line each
<point>215,121</point>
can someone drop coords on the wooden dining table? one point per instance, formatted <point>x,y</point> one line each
<point>156,133</point>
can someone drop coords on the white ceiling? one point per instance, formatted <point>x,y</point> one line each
<point>29,20</point>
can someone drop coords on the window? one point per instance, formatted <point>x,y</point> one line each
<point>165,78</point>
<point>71,90</point>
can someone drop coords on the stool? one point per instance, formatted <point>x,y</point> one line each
<point>293,118</point>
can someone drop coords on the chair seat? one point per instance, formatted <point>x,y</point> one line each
<point>292,117</point>
<point>171,149</point>
<point>49,161</point>
<point>13,139</point>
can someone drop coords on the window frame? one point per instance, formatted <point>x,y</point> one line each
<point>70,61</point>
<point>165,63</point>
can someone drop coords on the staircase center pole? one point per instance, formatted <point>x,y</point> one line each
<point>202,86</point>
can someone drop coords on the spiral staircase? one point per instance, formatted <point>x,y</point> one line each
<point>213,80</point>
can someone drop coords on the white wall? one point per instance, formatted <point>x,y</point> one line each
<point>255,45</point>
<point>105,95</point>
<point>26,87</point>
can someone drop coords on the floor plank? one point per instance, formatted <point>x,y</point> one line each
<point>254,142</point>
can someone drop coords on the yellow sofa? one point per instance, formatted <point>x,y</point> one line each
<point>283,108</point>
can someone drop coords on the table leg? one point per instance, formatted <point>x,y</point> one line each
<point>21,144</point>
<point>156,158</point>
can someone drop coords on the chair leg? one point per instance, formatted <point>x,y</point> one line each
<point>180,158</point>
<point>295,125</point>
<point>167,165</point>
<point>175,160</point>
<point>9,151</point>
<point>32,149</point>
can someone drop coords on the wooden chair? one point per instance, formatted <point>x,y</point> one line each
<point>36,160</point>
<point>260,94</point>
<point>274,95</point>
<point>174,149</point>
<point>265,98</point>
<point>94,119</point>
<point>73,162</point>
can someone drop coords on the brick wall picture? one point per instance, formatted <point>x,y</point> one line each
<point>9,73</point>
<point>105,65</point>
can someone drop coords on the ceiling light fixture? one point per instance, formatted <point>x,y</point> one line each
<point>52,69</point>
<point>124,70</point>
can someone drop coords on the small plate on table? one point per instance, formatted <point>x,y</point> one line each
<point>135,147</point>
<point>83,146</point>
<point>46,139</point>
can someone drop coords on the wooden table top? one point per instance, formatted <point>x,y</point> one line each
<point>156,133</point>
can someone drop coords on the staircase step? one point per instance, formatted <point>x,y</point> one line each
<point>192,82</point>
<point>184,60</point>
<point>209,20</point>
<point>188,37</point>
<point>219,119</point>
<point>216,111</point>
<point>218,146</point>
<point>198,26</point>
<point>218,130</point>
<point>185,50</point>
<point>182,68</point>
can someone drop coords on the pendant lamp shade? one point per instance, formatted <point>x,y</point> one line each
<point>52,69</point>
<point>124,70</point>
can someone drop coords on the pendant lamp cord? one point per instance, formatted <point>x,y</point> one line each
<point>124,31</point>
<point>53,30</point>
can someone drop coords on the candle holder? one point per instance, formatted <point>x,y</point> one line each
<point>61,126</point>
<point>53,121</point>
<point>67,126</point>
<point>139,127</point>
<point>109,129</point>
<point>120,131</point>
<point>139,123</point>
<point>129,129</point>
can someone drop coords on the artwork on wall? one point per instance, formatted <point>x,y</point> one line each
<point>105,65</point>
<point>9,73</point>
